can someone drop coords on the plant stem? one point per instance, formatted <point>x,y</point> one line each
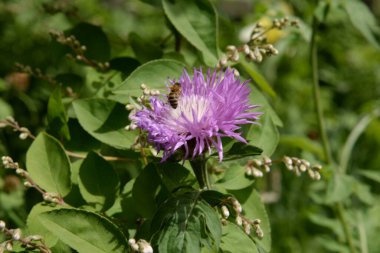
<point>346,229</point>
<point>316,93</point>
<point>326,146</point>
<point>200,171</point>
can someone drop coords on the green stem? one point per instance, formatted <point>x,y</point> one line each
<point>316,93</point>
<point>200,171</point>
<point>326,146</point>
<point>346,229</point>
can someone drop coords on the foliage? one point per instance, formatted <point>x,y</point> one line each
<point>77,178</point>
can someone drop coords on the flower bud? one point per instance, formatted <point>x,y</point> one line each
<point>246,49</point>
<point>27,184</point>
<point>16,234</point>
<point>225,212</point>
<point>236,205</point>
<point>239,220</point>
<point>2,225</point>
<point>23,136</point>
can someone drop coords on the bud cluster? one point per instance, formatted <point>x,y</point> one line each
<point>140,246</point>
<point>10,121</point>
<point>31,242</point>
<point>299,166</point>
<point>240,219</point>
<point>257,47</point>
<point>257,167</point>
<point>141,101</point>
<point>79,50</point>
<point>36,72</point>
<point>8,163</point>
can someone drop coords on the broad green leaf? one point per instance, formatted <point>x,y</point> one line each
<point>144,49</point>
<point>339,188</point>
<point>234,178</point>
<point>197,21</point>
<point>56,116</point>
<point>254,208</point>
<point>84,231</point>
<point>105,120</point>
<point>265,136</point>
<point>186,223</point>
<point>174,175</point>
<point>35,227</point>
<point>363,20</point>
<point>98,182</point>
<point>235,240</point>
<point>155,74</point>
<point>240,150</point>
<point>145,189</point>
<point>258,78</point>
<point>94,39</point>
<point>48,165</point>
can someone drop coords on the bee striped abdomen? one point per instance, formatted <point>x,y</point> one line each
<point>173,97</point>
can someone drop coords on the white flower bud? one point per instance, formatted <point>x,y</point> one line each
<point>267,168</point>
<point>16,234</point>
<point>27,184</point>
<point>225,212</point>
<point>144,246</point>
<point>317,167</point>
<point>231,48</point>
<point>130,107</point>
<point>257,54</point>
<point>239,220</point>
<point>257,173</point>
<point>8,246</point>
<point>223,61</point>
<point>317,175</point>
<point>247,228</point>
<point>132,126</point>
<point>259,232</point>
<point>143,86</point>
<point>246,49</point>
<point>2,225</point>
<point>236,205</point>
<point>287,160</point>
<point>23,136</point>
<point>248,171</point>
<point>302,168</point>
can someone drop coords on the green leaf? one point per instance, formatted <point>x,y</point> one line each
<point>144,49</point>
<point>214,198</point>
<point>373,175</point>
<point>35,227</point>
<point>98,182</point>
<point>254,208</point>
<point>339,188</point>
<point>56,116</point>
<point>94,39</point>
<point>48,165</point>
<point>84,231</point>
<point>197,21</point>
<point>234,178</point>
<point>240,150</point>
<point>105,120</point>
<point>186,223</point>
<point>5,109</point>
<point>258,78</point>
<point>235,240</point>
<point>155,74</point>
<point>265,135</point>
<point>174,175</point>
<point>145,189</point>
<point>363,20</point>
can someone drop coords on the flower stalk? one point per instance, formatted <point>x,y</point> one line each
<point>200,170</point>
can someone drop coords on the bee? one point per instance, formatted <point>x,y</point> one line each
<point>175,91</point>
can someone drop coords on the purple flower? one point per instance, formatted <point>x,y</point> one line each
<point>209,107</point>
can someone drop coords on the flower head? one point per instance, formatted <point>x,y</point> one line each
<point>208,108</point>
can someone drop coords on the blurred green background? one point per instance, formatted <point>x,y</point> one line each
<point>349,69</point>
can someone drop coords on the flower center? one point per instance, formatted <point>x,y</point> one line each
<point>193,107</point>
